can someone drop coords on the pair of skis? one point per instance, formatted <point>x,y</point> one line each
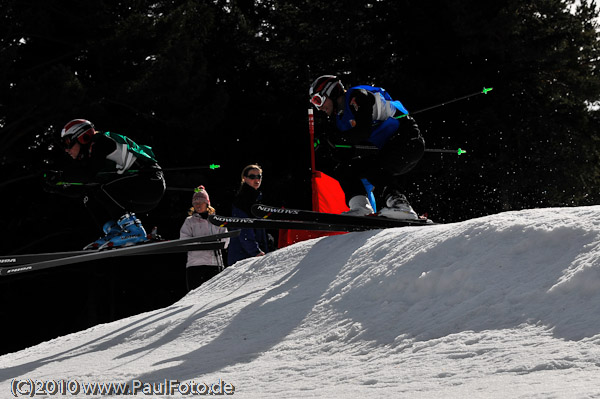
<point>269,217</point>
<point>266,217</point>
<point>15,264</point>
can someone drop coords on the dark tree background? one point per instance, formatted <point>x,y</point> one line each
<point>226,82</point>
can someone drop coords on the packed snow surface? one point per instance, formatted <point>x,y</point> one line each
<point>501,306</point>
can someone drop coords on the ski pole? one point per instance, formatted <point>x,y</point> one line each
<point>211,167</point>
<point>459,151</point>
<point>484,91</point>
<point>62,183</point>
<point>68,184</point>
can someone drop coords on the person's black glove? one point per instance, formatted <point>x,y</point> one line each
<point>51,181</point>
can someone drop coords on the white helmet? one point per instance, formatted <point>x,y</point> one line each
<point>77,131</point>
<point>323,87</point>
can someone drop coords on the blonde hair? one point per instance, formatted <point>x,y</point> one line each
<point>249,168</point>
<point>210,209</point>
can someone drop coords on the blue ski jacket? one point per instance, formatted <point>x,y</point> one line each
<point>381,113</point>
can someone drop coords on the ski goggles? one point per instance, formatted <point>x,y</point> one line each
<point>68,143</point>
<point>254,177</point>
<point>318,100</point>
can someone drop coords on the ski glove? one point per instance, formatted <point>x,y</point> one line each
<point>51,180</point>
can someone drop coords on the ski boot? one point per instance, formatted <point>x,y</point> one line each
<point>397,207</point>
<point>111,229</point>
<point>132,232</point>
<point>359,206</point>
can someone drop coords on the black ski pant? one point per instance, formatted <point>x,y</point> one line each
<point>383,168</point>
<point>137,192</point>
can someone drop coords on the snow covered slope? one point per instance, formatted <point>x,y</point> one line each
<point>501,306</point>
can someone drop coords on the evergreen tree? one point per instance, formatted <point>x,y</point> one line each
<point>231,77</point>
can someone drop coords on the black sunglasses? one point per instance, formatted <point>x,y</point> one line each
<point>254,177</point>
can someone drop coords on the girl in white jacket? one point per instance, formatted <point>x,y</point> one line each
<point>201,265</point>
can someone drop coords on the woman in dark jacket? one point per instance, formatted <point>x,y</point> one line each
<point>250,242</point>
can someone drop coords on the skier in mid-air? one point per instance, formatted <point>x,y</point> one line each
<point>120,178</point>
<point>367,115</point>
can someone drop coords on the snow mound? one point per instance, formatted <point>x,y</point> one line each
<point>504,305</point>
